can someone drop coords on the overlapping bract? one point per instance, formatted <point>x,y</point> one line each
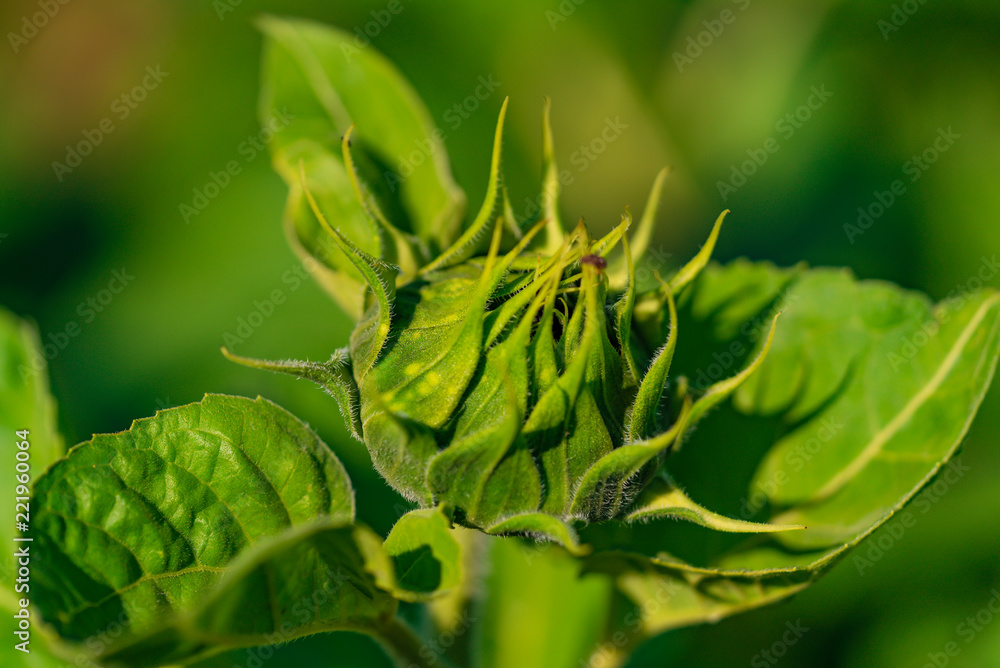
<point>530,390</point>
<point>503,378</point>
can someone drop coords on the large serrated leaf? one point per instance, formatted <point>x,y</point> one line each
<point>315,577</point>
<point>134,527</point>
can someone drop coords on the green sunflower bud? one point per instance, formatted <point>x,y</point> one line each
<point>503,378</point>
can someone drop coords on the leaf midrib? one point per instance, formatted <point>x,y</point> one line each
<point>878,442</point>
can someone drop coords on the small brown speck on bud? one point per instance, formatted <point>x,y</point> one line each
<point>595,261</point>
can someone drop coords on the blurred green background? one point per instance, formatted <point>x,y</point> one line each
<point>896,75</point>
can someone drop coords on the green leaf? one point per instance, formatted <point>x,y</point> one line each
<point>334,376</point>
<point>327,83</point>
<point>434,345</point>
<point>426,556</point>
<point>487,470</point>
<point>25,405</point>
<point>666,598</point>
<point>541,527</point>
<point>430,359</point>
<point>722,390</point>
<point>623,319</point>
<point>369,337</point>
<point>314,577</point>
<point>134,527</point>
<point>620,270</point>
<point>570,424</point>
<point>691,270</point>
<point>864,396</point>
<point>328,182</point>
<point>642,422</point>
<point>610,484</point>
<point>537,596</point>
<point>886,389</point>
<point>663,498</point>
<point>551,187</point>
<point>401,449</point>
<point>467,245</point>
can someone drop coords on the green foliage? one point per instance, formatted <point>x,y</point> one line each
<point>465,401</point>
<point>513,377</point>
<point>426,556</point>
<point>136,527</point>
<point>319,77</point>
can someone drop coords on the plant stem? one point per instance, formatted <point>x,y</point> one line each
<point>404,645</point>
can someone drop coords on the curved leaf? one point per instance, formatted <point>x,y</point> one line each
<point>543,527</point>
<point>426,556</point>
<point>135,526</point>
<point>487,470</point>
<point>663,498</point>
<point>334,376</point>
<point>690,271</point>
<point>666,598</point>
<point>895,382</point>
<point>467,244</point>
<point>869,390</point>
<point>320,76</point>
<point>316,577</point>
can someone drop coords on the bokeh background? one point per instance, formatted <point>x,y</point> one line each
<point>896,74</point>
